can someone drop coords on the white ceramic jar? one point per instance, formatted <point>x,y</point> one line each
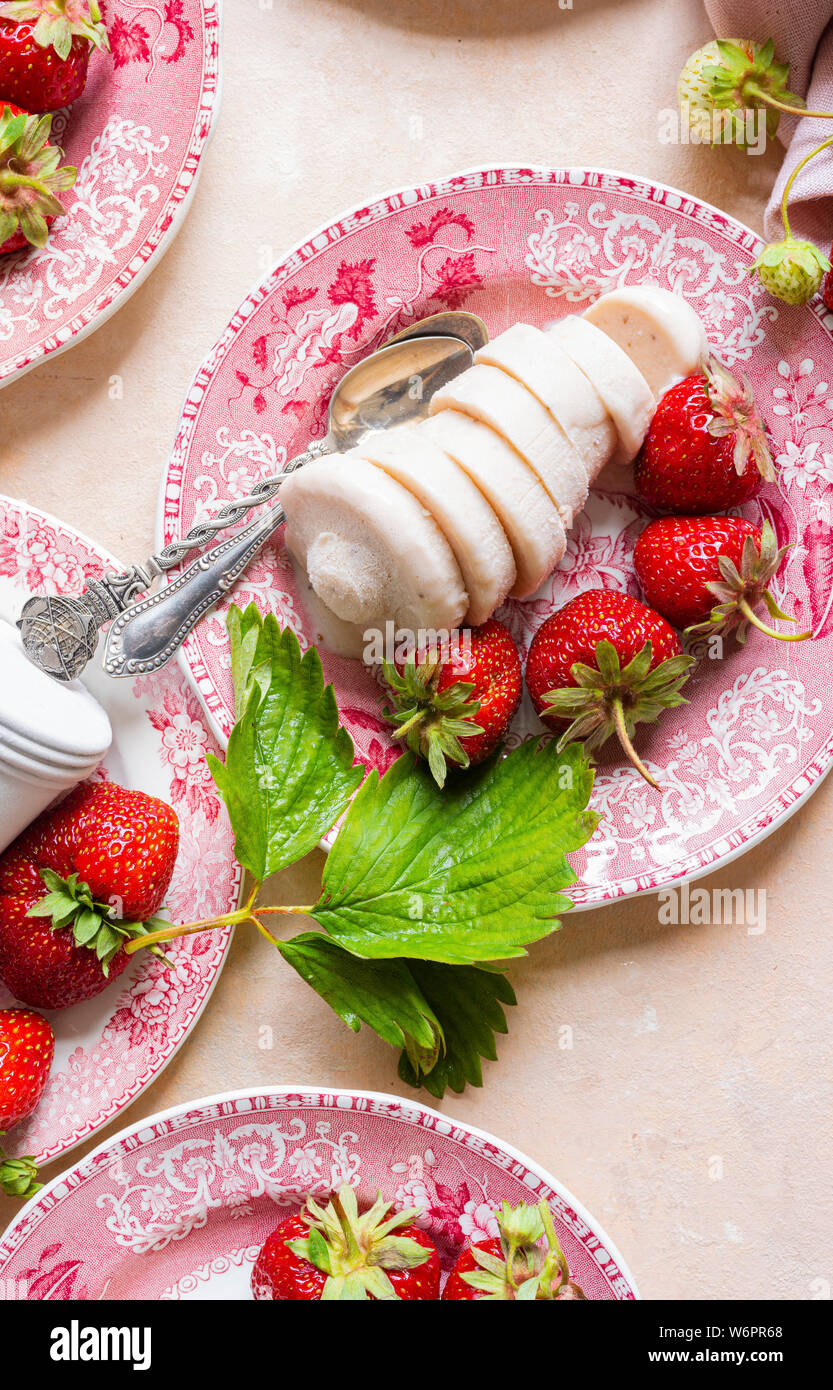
<point>51,737</point>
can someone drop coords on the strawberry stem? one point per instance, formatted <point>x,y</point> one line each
<point>264,931</point>
<point>189,929</point>
<point>797,170</point>
<point>289,911</point>
<point>618,712</point>
<point>752,89</point>
<point>247,913</point>
<point>10,179</point>
<point>417,718</point>
<point>556,1259</point>
<point>751,616</point>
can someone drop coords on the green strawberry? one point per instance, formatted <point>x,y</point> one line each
<point>791,270</point>
<point>730,76</point>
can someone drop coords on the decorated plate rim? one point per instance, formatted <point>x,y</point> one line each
<point>413,1112</point>
<point>119,1106</point>
<point>155,244</point>
<point>506,174</point>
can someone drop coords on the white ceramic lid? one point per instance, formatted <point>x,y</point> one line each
<point>62,726</point>
<point>65,762</point>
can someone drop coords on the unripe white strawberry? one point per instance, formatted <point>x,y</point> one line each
<point>726,78</point>
<point>791,270</point>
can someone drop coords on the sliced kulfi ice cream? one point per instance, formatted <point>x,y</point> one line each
<point>459,508</point>
<point>526,512</point>
<point>434,523</point>
<point>372,552</point>
<point>621,385</point>
<point>536,360</point>
<point>659,331</point>
<point>500,401</point>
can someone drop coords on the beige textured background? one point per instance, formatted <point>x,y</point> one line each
<point>691,1044</point>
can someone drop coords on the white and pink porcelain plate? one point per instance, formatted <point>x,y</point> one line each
<point>109,1048</point>
<point>177,1206</point>
<point>536,244</point>
<point>137,137</point>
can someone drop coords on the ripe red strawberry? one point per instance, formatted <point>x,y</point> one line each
<point>456,707</point>
<point>45,48</point>
<point>30,179</point>
<point>604,663</point>
<point>706,448</point>
<point>515,1264</point>
<point>334,1253</point>
<point>685,563</point>
<point>27,1046</point>
<point>106,855</point>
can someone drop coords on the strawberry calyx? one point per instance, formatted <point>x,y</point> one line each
<point>356,1251</point>
<point>749,75</point>
<point>607,699</point>
<point>736,413</point>
<point>740,591</point>
<point>30,177</point>
<point>432,722</point>
<point>58,22</point>
<point>71,906</point>
<point>526,1270</point>
<point>18,1177</point>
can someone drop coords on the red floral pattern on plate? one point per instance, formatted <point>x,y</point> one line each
<point>200,1187</point>
<point>534,244</point>
<point>110,1048</point>
<point>137,137</point>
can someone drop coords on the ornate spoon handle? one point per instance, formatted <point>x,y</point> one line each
<point>228,516</point>
<point>60,633</point>
<point>145,636</point>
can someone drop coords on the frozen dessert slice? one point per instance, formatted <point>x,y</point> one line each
<point>525,510</point>
<point>345,639</point>
<point>372,552</point>
<point>536,360</point>
<point>620,384</point>
<point>459,508</point>
<point>500,401</point>
<point>659,331</point>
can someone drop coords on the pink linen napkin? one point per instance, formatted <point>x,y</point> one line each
<point>803,36</point>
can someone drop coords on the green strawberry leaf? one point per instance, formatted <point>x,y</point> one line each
<point>443,1017</point>
<point>470,873</point>
<point>18,1177</point>
<point>87,924</point>
<point>244,628</point>
<point>382,994</point>
<point>467,1001</point>
<point>289,770</point>
<point>313,1248</point>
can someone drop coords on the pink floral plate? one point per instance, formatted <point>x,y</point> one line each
<point>110,1048</point>
<point>536,244</point>
<point>177,1206</point>
<point>137,137</point>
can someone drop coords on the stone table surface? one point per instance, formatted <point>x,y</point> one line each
<point>693,1113</point>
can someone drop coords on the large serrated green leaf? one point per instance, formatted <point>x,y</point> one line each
<point>382,994</point>
<point>469,873</point>
<point>289,770</point>
<point>444,1018</point>
<point>468,1001</point>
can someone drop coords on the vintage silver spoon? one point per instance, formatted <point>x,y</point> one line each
<point>389,387</point>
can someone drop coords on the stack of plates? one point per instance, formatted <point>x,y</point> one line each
<point>51,736</point>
